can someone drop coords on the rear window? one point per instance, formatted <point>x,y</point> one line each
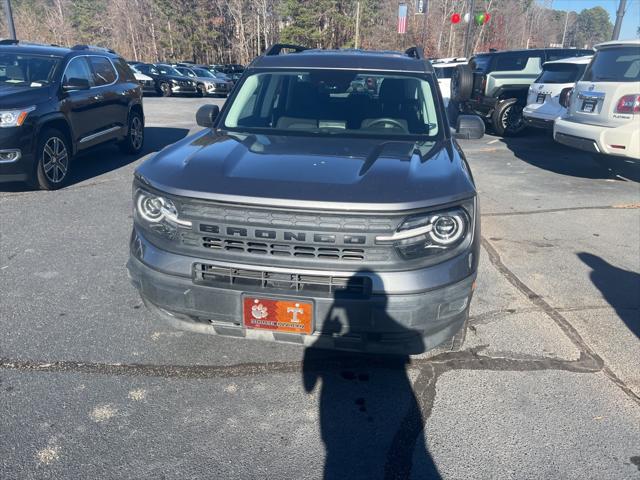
<point>444,72</point>
<point>561,73</point>
<point>481,63</point>
<point>617,64</point>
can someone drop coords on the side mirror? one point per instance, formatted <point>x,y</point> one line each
<point>74,83</point>
<point>469,127</point>
<point>206,115</point>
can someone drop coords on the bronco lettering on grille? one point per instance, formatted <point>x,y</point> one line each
<point>261,233</point>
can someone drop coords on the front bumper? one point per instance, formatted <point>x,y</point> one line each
<point>384,321</point>
<point>183,88</point>
<point>22,139</point>
<point>622,141</point>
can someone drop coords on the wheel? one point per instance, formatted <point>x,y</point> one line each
<point>165,89</point>
<point>134,141</point>
<point>507,120</point>
<point>201,91</point>
<point>53,160</point>
<point>461,83</point>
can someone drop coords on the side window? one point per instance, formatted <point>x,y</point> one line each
<point>103,72</point>
<point>509,62</point>
<point>77,68</point>
<point>124,70</point>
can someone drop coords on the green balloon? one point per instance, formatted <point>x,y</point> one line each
<point>479,19</point>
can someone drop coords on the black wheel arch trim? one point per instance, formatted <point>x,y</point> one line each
<point>46,120</point>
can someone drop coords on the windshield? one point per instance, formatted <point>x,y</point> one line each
<point>617,64</point>
<point>201,72</point>
<point>561,73</point>
<point>27,70</point>
<point>167,70</point>
<point>326,102</point>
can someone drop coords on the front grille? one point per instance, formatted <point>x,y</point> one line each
<point>241,279</point>
<point>278,236</point>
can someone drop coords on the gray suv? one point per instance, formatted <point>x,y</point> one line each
<point>303,191</point>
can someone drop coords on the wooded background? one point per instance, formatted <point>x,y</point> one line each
<point>230,31</point>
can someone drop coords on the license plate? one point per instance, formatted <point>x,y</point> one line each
<point>541,97</point>
<point>589,106</point>
<point>278,315</point>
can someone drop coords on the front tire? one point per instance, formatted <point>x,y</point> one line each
<point>53,160</point>
<point>134,141</point>
<point>165,89</point>
<point>507,119</point>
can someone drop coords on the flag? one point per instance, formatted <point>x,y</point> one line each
<point>402,18</point>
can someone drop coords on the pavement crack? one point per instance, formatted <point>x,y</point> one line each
<point>554,210</point>
<point>572,334</point>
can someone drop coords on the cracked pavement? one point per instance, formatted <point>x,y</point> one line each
<point>544,384</point>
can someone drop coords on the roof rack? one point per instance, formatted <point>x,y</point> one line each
<point>414,52</point>
<point>92,47</point>
<point>11,41</point>
<point>277,48</point>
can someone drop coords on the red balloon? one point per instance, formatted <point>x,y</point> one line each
<point>486,17</point>
<point>455,18</point>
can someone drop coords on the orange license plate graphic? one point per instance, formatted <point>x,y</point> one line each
<point>286,316</point>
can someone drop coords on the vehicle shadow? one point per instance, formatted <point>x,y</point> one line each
<point>371,422</point>
<point>619,287</point>
<point>106,158</point>
<point>537,148</point>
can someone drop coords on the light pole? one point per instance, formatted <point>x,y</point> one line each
<point>9,15</point>
<point>622,6</point>
<point>467,36</point>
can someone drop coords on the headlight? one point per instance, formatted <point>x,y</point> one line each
<point>158,213</point>
<point>431,233</point>
<point>14,118</point>
<point>175,82</point>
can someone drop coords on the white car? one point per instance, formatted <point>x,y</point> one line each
<point>444,69</point>
<point>604,109</point>
<point>546,94</point>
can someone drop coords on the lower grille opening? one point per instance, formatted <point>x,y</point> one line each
<point>228,277</point>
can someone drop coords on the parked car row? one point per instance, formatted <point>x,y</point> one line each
<point>184,78</point>
<point>590,100</point>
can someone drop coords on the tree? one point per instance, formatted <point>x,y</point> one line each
<point>592,26</point>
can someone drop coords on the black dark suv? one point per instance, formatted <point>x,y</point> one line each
<point>168,80</point>
<point>56,102</point>
<point>495,84</point>
<point>314,213</point>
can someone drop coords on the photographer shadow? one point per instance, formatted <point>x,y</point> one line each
<point>371,422</point>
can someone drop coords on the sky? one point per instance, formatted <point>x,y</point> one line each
<point>631,20</point>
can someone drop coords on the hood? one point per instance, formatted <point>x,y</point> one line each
<point>142,76</point>
<point>311,172</point>
<point>19,97</point>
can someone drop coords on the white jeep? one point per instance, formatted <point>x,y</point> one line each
<point>604,108</point>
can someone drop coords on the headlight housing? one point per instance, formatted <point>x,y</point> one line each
<point>433,233</point>
<point>14,118</point>
<point>158,214</point>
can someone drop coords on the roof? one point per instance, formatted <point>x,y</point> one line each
<point>546,49</point>
<point>350,59</point>
<point>53,50</point>
<point>575,60</point>
<point>614,43</point>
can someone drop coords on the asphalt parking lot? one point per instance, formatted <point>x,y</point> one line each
<point>545,385</point>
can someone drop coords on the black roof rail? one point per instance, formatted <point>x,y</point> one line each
<point>92,47</point>
<point>9,41</point>
<point>276,48</point>
<point>414,52</point>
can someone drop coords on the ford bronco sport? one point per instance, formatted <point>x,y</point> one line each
<point>303,190</point>
<point>495,85</point>
<point>56,102</point>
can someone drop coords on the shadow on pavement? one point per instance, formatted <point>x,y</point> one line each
<point>370,419</point>
<point>538,149</point>
<point>620,288</point>
<point>108,157</point>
